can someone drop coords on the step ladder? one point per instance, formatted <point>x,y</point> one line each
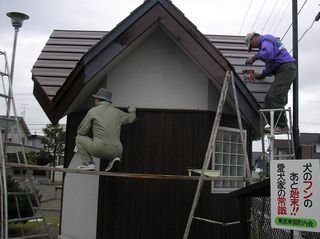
<point>229,78</point>
<point>28,193</point>
<point>271,117</point>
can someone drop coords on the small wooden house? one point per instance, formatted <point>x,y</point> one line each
<point>157,60</point>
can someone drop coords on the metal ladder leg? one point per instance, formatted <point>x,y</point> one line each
<point>211,146</point>
<point>4,193</point>
<point>273,122</point>
<point>29,189</point>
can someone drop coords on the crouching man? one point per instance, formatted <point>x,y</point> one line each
<point>104,123</point>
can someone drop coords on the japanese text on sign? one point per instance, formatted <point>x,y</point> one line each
<point>295,200</point>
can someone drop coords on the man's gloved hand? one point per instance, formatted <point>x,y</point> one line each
<point>259,76</point>
<point>250,60</point>
<point>131,108</point>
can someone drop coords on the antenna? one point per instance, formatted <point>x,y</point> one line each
<point>23,113</point>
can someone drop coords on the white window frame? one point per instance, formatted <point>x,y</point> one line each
<point>317,148</point>
<point>228,157</point>
<point>284,152</point>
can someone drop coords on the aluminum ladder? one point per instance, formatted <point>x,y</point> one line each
<point>229,78</point>
<point>29,192</point>
<point>271,117</point>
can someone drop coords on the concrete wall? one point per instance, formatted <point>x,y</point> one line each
<point>80,203</point>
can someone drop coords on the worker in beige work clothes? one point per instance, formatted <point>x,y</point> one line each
<point>104,123</point>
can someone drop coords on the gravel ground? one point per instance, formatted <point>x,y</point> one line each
<point>50,199</point>
<point>50,202</point>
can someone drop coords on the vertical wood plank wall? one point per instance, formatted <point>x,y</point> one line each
<point>164,142</point>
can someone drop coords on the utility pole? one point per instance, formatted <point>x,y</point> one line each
<point>296,82</point>
<point>295,234</point>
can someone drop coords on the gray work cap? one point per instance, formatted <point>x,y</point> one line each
<point>247,40</point>
<point>103,94</point>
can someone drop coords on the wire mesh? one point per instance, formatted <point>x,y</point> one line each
<point>261,224</point>
<point>310,235</point>
<point>260,221</point>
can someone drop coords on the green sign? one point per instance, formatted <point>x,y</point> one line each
<point>296,222</point>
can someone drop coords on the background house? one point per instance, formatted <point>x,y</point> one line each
<point>13,142</point>
<point>157,60</point>
<point>35,140</point>
<point>309,146</point>
<point>12,145</point>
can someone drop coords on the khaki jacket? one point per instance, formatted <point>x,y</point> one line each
<point>105,121</point>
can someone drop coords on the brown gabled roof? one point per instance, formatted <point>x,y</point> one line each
<point>59,57</point>
<point>72,58</point>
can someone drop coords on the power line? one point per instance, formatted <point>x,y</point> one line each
<point>306,31</point>
<point>282,16</point>
<point>245,17</point>
<point>291,22</point>
<point>258,15</point>
<point>316,19</point>
<point>275,18</point>
<point>274,6</point>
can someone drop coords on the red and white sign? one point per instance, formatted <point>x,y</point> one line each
<point>295,194</point>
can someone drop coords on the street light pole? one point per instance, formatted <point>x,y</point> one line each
<point>295,234</point>
<point>16,20</point>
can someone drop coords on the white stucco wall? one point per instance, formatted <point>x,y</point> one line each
<point>158,74</point>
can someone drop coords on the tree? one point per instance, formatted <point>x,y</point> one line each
<point>25,208</point>
<point>54,142</point>
<point>39,158</point>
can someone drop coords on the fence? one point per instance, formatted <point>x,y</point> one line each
<point>261,224</point>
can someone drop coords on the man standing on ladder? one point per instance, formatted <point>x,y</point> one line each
<point>279,63</point>
<point>104,123</point>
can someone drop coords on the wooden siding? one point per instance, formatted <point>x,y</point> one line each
<point>166,142</point>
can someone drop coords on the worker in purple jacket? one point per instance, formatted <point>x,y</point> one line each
<point>278,62</point>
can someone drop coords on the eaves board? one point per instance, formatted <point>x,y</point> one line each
<point>57,61</point>
<point>199,47</point>
<point>187,36</point>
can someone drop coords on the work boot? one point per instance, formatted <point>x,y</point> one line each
<point>277,130</point>
<point>89,166</point>
<point>111,163</point>
<point>281,130</point>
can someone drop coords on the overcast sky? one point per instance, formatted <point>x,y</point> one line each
<point>226,17</point>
